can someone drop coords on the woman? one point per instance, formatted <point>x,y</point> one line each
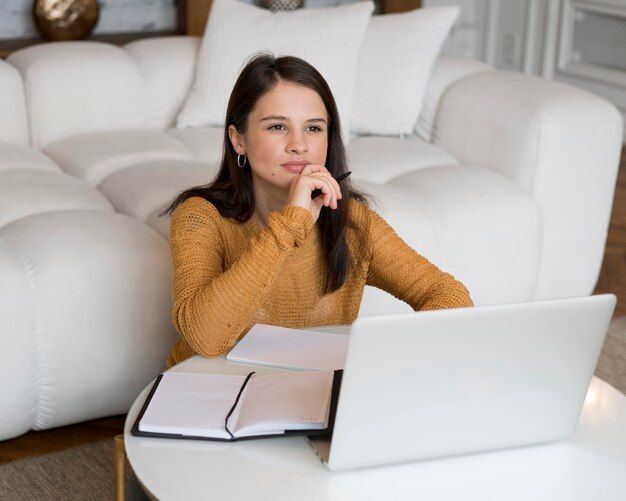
<point>253,246</point>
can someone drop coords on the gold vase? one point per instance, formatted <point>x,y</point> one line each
<point>65,19</point>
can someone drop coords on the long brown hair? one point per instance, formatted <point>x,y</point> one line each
<point>232,193</point>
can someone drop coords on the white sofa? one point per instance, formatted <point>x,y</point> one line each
<point>508,186</point>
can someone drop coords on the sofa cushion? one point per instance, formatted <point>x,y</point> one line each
<point>407,215</point>
<point>328,38</point>
<point>14,123</point>
<point>395,62</point>
<point>16,156</point>
<point>167,66</point>
<point>143,189</point>
<point>489,229</point>
<point>29,191</point>
<point>379,159</point>
<point>69,89</point>
<point>18,365</point>
<point>96,156</point>
<point>205,143</point>
<point>99,286</point>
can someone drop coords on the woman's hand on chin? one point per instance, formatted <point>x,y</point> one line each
<point>311,178</point>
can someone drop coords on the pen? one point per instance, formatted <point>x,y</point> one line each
<point>316,192</point>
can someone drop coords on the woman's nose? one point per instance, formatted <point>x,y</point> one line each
<point>297,143</point>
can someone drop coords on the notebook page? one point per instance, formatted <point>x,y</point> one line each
<point>285,401</point>
<point>191,404</point>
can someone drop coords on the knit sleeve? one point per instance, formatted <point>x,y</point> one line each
<point>398,269</point>
<point>212,305</point>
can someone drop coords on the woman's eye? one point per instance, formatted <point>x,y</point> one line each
<point>277,127</point>
<point>314,128</point>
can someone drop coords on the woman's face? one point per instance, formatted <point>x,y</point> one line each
<point>287,130</point>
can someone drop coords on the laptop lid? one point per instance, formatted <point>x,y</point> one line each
<point>438,383</point>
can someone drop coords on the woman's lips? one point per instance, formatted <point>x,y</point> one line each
<point>295,165</point>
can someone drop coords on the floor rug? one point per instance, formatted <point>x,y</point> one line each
<point>83,473</point>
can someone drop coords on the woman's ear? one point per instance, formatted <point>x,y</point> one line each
<point>236,139</point>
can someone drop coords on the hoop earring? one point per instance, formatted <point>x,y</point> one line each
<point>245,159</point>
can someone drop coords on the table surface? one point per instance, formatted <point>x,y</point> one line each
<point>590,465</point>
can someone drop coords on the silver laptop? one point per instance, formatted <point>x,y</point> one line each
<point>431,384</point>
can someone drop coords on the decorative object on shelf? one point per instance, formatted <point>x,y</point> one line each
<point>65,19</point>
<point>275,5</point>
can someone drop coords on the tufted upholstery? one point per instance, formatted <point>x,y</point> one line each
<point>507,184</point>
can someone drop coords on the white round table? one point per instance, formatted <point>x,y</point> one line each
<point>591,465</point>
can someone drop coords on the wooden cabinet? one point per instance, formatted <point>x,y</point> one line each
<point>192,16</point>
<point>391,6</point>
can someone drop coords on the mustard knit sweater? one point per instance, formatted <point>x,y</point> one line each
<point>230,275</point>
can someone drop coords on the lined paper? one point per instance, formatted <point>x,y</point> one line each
<point>191,404</point>
<point>285,401</point>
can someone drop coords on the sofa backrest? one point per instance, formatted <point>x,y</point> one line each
<point>74,88</point>
<point>14,121</point>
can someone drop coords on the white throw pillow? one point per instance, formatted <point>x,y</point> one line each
<point>328,38</point>
<point>397,57</point>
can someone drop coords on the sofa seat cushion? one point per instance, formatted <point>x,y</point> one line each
<point>379,159</point>
<point>489,229</point>
<point>143,189</point>
<point>95,156</point>
<point>408,216</point>
<point>99,292</point>
<point>205,143</point>
<point>29,191</point>
<point>16,156</point>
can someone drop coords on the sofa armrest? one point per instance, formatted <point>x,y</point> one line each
<point>447,70</point>
<point>560,143</point>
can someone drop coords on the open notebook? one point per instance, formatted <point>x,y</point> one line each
<point>232,407</point>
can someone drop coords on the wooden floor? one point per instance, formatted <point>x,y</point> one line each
<point>612,279</point>
<point>35,443</point>
<point>613,273</point>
